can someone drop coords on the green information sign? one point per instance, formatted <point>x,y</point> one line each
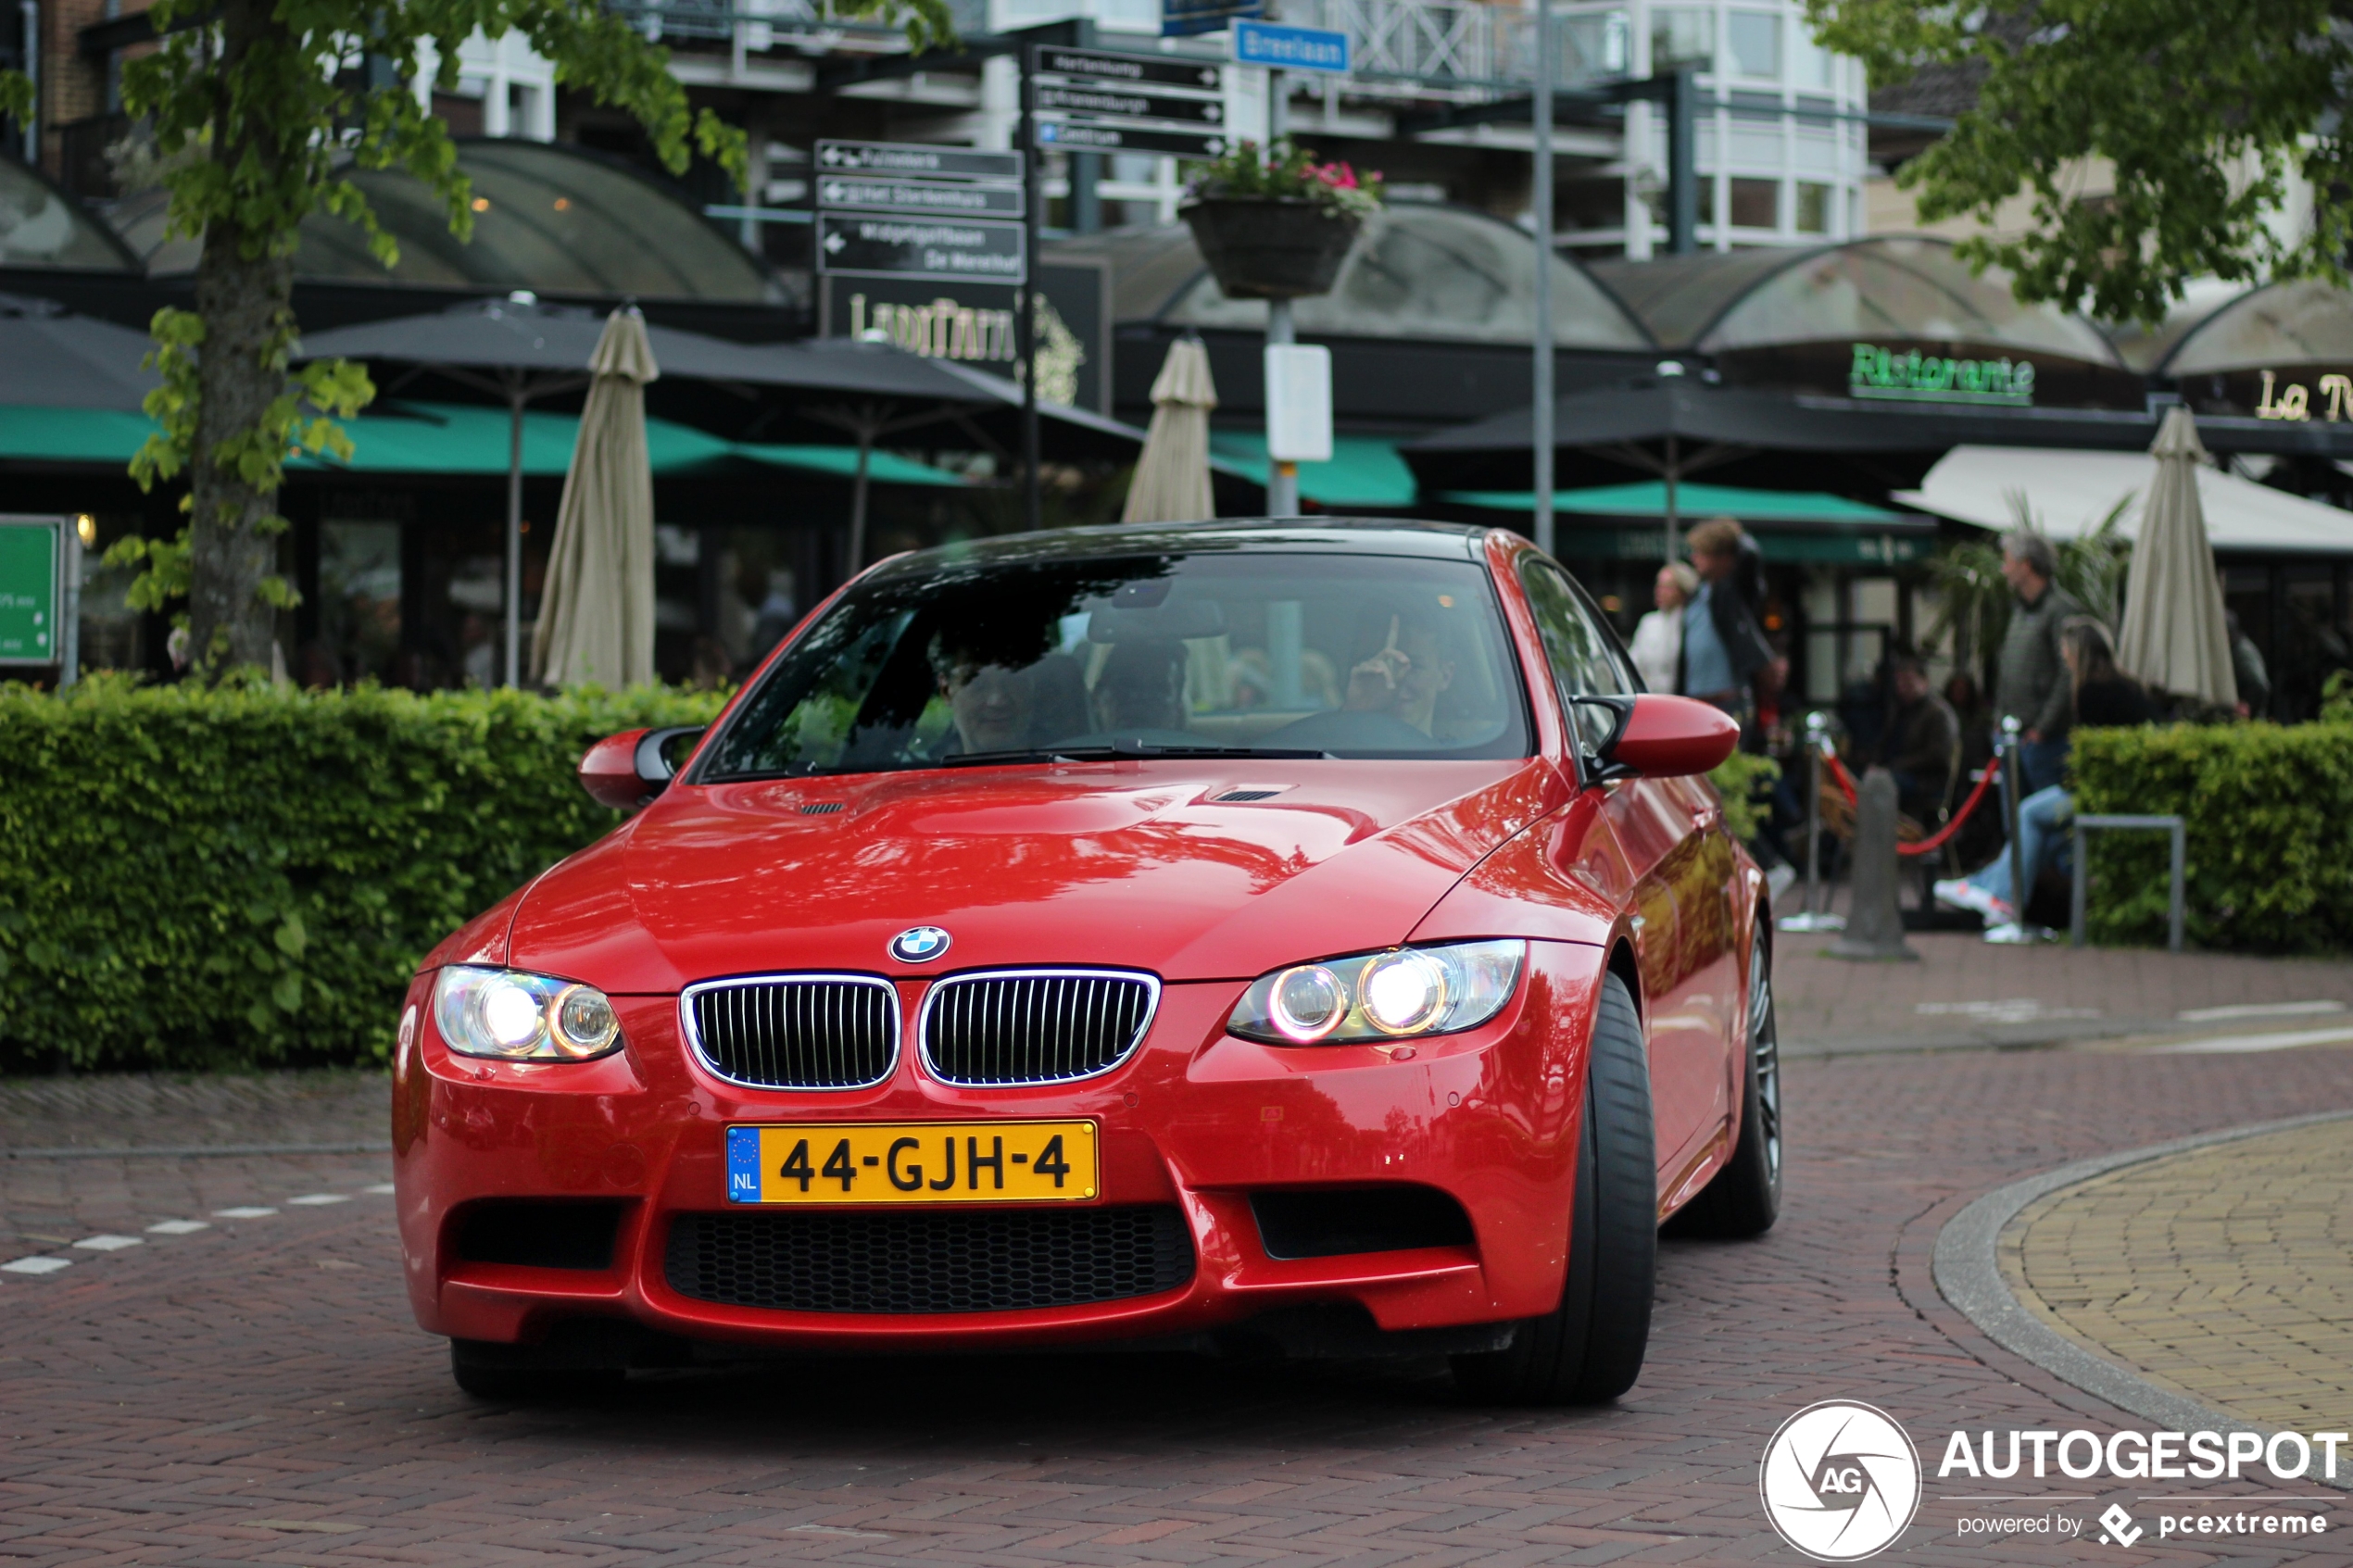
<point>29,591</point>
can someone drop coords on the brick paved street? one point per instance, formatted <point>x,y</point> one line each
<point>253,1392</point>
<point>2225,1273</point>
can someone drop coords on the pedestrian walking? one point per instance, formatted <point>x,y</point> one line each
<point>1723,648</point>
<point>1657,647</point>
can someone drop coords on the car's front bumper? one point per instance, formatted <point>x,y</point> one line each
<point>1196,1118</point>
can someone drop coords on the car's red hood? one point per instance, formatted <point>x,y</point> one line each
<point>1121,863</point>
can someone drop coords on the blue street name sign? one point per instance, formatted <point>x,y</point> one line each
<point>1290,48</point>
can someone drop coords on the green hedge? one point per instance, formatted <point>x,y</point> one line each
<point>195,878</point>
<point>2268,812</point>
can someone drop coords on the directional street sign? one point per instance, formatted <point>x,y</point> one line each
<point>929,198</point>
<point>944,250</point>
<point>1088,136</point>
<point>918,160</point>
<point>1290,48</point>
<point>1118,103</point>
<point>1131,71</point>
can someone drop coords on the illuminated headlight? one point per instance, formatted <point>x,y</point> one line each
<point>1402,993</point>
<point>519,1016</point>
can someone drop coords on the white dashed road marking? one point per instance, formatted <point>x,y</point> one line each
<point>39,1265</point>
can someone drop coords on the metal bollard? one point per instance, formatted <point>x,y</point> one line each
<point>1813,916</point>
<point>2013,786</point>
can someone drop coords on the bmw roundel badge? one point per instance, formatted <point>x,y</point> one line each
<point>919,943</point>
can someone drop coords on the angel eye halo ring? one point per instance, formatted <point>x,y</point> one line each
<point>1397,994</point>
<point>514,1015</point>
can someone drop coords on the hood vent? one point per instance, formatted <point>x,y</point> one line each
<point>819,808</point>
<point>1240,797</point>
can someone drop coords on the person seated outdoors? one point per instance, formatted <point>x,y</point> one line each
<point>2104,696</point>
<point>1404,678</point>
<point>1920,744</point>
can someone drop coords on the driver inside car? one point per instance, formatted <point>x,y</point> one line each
<point>1403,677</point>
<point>992,703</point>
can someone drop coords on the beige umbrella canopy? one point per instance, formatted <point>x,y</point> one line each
<point>2174,638</point>
<point>597,614</point>
<point>1172,477</point>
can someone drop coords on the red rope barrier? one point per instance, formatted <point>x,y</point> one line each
<point>1936,840</point>
<point>1838,772</point>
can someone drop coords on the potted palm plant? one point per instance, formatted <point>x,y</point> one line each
<point>1273,223</point>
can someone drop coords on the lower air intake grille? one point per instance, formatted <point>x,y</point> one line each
<point>797,1031</point>
<point>988,1260</point>
<point>1035,1025</point>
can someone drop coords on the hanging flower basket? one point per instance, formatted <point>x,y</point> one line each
<point>1278,225</point>
<point>1271,249</point>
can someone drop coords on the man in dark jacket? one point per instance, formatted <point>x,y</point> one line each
<point>2031,680</point>
<point>1723,648</point>
<point>1922,742</point>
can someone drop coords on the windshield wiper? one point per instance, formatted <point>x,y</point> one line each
<point>1139,752</point>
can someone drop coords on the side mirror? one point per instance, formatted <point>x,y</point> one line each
<point>627,771</point>
<point>1658,737</point>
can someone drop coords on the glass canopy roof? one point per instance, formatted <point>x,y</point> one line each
<point>1902,288</point>
<point>547,218</point>
<point>1419,272</point>
<point>41,226</point>
<point>2303,322</point>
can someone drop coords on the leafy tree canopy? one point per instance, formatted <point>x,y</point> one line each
<point>259,111</point>
<point>2209,115</point>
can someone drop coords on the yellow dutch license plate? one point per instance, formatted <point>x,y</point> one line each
<point>836,1162</point>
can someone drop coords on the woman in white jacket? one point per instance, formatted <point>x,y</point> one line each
<point>1658,636</point>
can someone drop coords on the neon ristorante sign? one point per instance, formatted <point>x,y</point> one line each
<point>1910,375</point>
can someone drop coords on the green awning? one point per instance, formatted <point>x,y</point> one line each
<point>1694,503</point>
<point>454,438</point>
<point>1364,469</point>
<point>1574,541</point>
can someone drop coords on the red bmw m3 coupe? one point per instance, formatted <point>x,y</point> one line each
<point>1267,937</point>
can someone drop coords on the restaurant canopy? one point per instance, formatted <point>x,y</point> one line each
<point>2068,493</point>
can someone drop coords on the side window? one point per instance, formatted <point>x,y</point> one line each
<point>1576,649</point>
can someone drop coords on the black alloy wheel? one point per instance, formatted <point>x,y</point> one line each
<point>1589,1350</point>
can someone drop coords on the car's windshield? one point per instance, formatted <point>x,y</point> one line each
<point>1252,654</point>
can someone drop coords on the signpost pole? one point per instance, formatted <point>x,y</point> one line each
<point>1542,198</point>
<point>1033,193</point>
<point>1282,478</point>
<point>68,602</point>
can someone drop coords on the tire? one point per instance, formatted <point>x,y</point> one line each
<point>1746,1197</point>
<point>480,1371</point>
<point>1589,1350</point>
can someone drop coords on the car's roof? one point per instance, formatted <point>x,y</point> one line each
<point>1379,536</point>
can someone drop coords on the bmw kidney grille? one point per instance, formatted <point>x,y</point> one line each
<point>795,1032</point>
<point>1035,1025</point>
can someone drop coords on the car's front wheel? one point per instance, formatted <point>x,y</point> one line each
<point>1589,1350</point>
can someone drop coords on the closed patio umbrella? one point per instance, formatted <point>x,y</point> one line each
<point>596,613</point>
<point>1172,476</point>
<point>2174,637</point>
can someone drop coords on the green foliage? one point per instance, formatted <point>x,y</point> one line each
<point>2209,114</point>
<point>1746,783</point>
<point>1974,599</point>
<point>195,877</point>
<point>1287,171</point>
<point>2336,697</point>
<point>2265,808</point>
